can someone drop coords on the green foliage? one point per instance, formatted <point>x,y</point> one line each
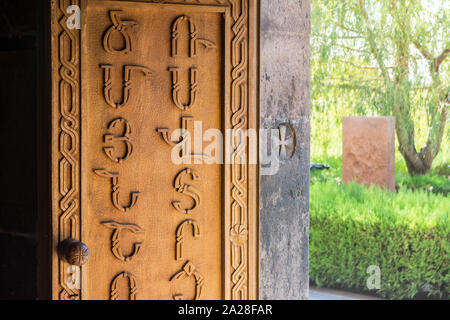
<point>379,57</point>
<point>374,58</point>
<point>406,234</point>
<point>332,174</point>
<point>430,182</point>
<point>443,170</point>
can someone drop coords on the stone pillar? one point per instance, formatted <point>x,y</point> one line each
<point>284,196</point>
<point>368,154</point>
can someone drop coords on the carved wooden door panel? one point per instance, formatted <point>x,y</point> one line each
<point>122,84</point>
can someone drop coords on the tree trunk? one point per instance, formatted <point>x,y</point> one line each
<point>419,162</point>
<point>404,128</point>
<point>415,166</point>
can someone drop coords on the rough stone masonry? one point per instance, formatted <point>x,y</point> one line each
<point>284,197</point>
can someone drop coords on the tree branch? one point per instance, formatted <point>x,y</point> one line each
<point>357,65</point>
<point>373,47</point>
<point>425,53</point>
<point>439,59</point>
<point>351,49</point>
<point>337,24</point>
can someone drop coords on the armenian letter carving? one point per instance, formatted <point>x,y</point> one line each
<point>186,189</point>
<point>132,283</point>
<point>128,84</point>
<point>120,27</point>
<point>114,176</point>
<point>189,270</point>
<point>125,138</point>
<point>115,239</point>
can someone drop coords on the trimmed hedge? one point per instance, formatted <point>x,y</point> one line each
<point>406,234</point>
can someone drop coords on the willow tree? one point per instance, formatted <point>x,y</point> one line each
<point>394,53</point>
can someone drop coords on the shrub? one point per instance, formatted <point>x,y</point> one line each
<point>431,182</point>
<point>442,170</point>
<point>406,234</point>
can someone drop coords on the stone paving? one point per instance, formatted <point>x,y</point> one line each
<point>329,294</point>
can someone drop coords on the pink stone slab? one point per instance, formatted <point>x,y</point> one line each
<point>368,154</point>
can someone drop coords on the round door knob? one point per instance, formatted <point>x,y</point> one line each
<point>74,252</point>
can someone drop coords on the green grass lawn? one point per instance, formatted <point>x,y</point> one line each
<point>406,234</point>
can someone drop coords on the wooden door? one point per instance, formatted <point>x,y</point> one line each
<point>122,83</point>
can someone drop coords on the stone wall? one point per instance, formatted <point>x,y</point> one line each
<point>284,197</point>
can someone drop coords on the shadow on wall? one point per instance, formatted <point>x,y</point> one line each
<point>18,144</point>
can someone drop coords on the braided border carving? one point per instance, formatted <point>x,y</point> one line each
<point>68,48</point>
<point>239,174</point>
